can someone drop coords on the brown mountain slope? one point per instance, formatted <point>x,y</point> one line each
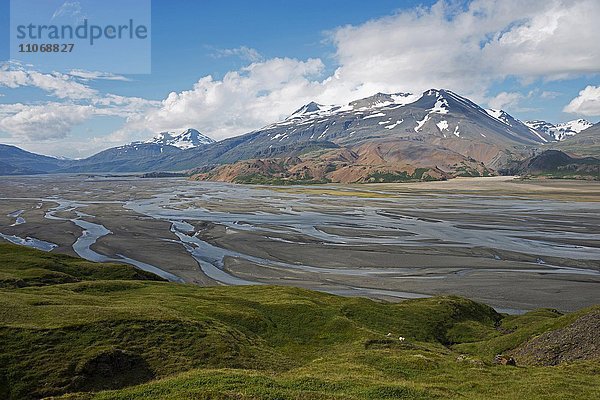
<point>370,162</point>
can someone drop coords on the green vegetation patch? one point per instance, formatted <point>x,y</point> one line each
<point>420,174</point>
<point>259,179</point>
<point>111,336</point>
<point>22,266</point>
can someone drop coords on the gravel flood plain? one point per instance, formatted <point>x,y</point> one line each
<point>516,245</point>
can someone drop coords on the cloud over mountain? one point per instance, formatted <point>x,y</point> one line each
<point>462,48</point>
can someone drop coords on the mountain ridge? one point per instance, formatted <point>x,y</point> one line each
<point>435,124</point>
<point>562,130</point>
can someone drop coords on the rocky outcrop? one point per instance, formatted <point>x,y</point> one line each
<point>557,164</point>
<point>577,341</point>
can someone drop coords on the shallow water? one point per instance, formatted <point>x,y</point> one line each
<point>91,232</point>
<point>531,234</point>
<point>29,242</point>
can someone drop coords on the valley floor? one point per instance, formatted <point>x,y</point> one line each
<point>516,245</point>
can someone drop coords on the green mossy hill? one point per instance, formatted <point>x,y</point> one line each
<point>22,266</point>
<point>122,338</point>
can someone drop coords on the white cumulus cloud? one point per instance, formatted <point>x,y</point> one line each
<point>505,100</point>
<point>587,103</point>
<point>59,85</point>
<point>241,101</point>
<point>94,75</point>
<point>42,122</point>
<point>55,119</point>
<point>468,49</point>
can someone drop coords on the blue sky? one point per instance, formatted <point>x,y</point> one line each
<point>265,58</point>
<point>190,34</point>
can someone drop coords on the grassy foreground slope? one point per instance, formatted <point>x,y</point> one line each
<point>115,328</point>
<point>22,267</point>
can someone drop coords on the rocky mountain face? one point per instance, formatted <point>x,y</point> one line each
<point>438,117</point>
<point>8,169</point>
<point>342,165</point>
<point>134,157</point>
<point>436,129</point>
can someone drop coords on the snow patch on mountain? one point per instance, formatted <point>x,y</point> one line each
<point>392,126</point>
<point>456,131</point>
<point>421,123</point>
<point>402,99</point>
<point>374,115</point>
<point>540,126</point>
<point>536,133</point>
<point>570,128</point>
<point>442,125</point>
<point>380,100</point>
<point>311,108</point>
<point>313,112</point>
<point>576,125</point>
<point>440,106</point>
<point>499,115</point>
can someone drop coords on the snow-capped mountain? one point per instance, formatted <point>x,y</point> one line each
<point>383,100</point>
<point>437,121</point>
<point>560,131</point>
<point>187,139</point>
<point>586,143</point>
<point>500,115</point>
<point>435,113</point>
<point>142,156</point>
<point>438,131</point>
<point>307,109</point>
